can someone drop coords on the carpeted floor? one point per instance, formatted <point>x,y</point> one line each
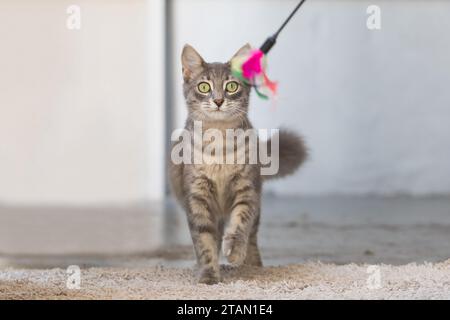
<point>303,281</point>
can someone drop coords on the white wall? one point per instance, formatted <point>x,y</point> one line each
<point>81,112</point>
<point>374,106</point>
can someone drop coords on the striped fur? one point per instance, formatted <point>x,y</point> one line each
<point>223,201</point>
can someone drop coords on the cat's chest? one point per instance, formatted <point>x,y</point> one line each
<point>221,175</point>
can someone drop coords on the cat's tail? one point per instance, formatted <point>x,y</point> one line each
<point>292,153</point>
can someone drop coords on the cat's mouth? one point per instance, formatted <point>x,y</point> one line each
<point>215,110</point>
<point>217,114</point>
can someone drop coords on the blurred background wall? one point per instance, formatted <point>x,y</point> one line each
<point>374,105</point>
<point>82,112</point>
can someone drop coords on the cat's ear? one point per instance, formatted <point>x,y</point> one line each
<point>191,61</point>
<point>242,51</point>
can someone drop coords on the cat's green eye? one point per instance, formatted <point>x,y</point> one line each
<point>204,87</point>
<point>231,86</point>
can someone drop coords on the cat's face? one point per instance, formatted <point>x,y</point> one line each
<point>211,91</point>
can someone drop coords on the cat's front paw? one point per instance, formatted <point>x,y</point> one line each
<point>208,275</point>
<point>235,248</point>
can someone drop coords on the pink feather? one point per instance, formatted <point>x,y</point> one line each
<point>252,67</point>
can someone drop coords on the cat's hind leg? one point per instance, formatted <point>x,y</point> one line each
<point>253,257</point>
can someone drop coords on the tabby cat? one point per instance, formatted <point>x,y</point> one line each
<point>223,201</point>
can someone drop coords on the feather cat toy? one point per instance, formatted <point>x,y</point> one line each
<point>251,68</point>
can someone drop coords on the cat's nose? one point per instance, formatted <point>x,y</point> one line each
<point>218,102</point>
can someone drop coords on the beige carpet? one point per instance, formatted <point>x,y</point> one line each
<point>305,281</point>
